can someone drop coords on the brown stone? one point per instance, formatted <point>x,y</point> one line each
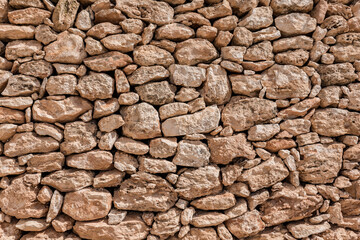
<point>64,14</point>
<point>297,57</point>
<point>96,86</point>
<point>174,32</point>
<point>147,74</point>
<point>299,109</point>
<point>222,201</point>
<point>107,61</point>
<point>7,130</point>
<point>153,165</point>
<point>47,162</point>
<point>22,48</point>
<point>246,225</point>
<point>55,206</point>
<point>11,32</point>
<point>187,76</point>
<point>61,84</point>
<point>101,30</point>
<point>337,74</point>
<point>208,219</point>
<point>19,103</point>
<point>21,85</point>
<point>39,69</point>
<point>45,34</point>
<point>131,146</point>
<point>8,115</point>
<point>9,166</point>
<point>257,18</point>
<point>121,42</point>
<point>194,51</point>
<point>263,132</point>
<point>28,16</point>
<point>295,24</point>
<point>157,93</point>
<point>275,145</point>
<point>292,43</point>
<point>163,147</point>
<point>192,154</point>
<point>166,224</point>
<point>149,55</point>
<point>284,7</point>
<point>93,160</point>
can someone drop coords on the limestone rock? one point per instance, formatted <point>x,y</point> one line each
<point>22,48</point>
<point>9,166</point>
<point>167,223</point>
<point>35,225</point>
<point>131,146</point>
<point>101,30</point>
<point>192,154</point>
<point>297,57</point>
<point>292,43</point>
<point>337,74</point>
<point>257,18</point>
<point>222,201</point>
<point>284,7</point>
<point>55,206</point>
<point>21,85</point>
<point>201,234</point>
<point>28,16</point>
<point>259,52</point>
<point>147,74</point>
<point>299,109</point>
<point>153,165</point>
<point>352,153</point>
<point>93,160</point>
<point>295,24</point>
<point>110,123</point>
<point>7,130</point>
<point>296,126</point>
<point>194,51</point>
<point>47,162</point>
<point>19,103</point>
<point>40,69</point>
<point>163,147</point>
<point>263,132</point>
<point>121,42</point>
<point>12,32</point>
<point>157,93</point>
<point>96,86</point>
<point>303,230</point>
<point>187,76</point>
<point>246,85</point>
<point>108,61</point>
<point>149,55</point>
<point>64,14</point>
<point>173,110</point>
<point>246,225</point>
<point>208,219</point>
<point>61,84</point>
<point>174,32</point>
<point>8,115</point>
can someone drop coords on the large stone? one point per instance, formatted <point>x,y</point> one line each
<point>353,153</point>
<point>21,85</point>
<point>203,121</point>
<point>257,18</point>
<point>8,115</point>
<point>166,224</point>
<point>285,81</point>
<point>187,76</point>
<point>263,132</point>
<point>47,162</point>
<point>149,55</point>
<point>87,204</point>
<point>93,160</point>
<point>291,43</point>
<point>147,74</point>
<point>283,6</point>
<point>241,114</point>
<point>68,48</point>
<point>303,230</point>
<point>19,103</point>
<point>248,224</point>
<point>192,154</point>
<point>22,48</point>
<point>337,74</point>
<point>153,165</point>
<point>320,163</point>
<point>222,201</point>
<point>29,142</point>
<point>61,84</point>
<point>174,32</point>
<point>103,29</point>
<point>39,69</point>
<point>219,10</point>
<point>145,192</point>
<point>159,13</point>
<point>12,32</point>
<point>64,14</point>
<point>141,121</point>
<point>66,110</point>
<point>96,86</point>
<point>208,219</point>
<point>131,146</point>
<point>260,177</point>
<point>9,166</point>
<point>121,42</point>
<point>295,24</point>
<point>107,61</point>
<point>194,51</point>
<point>157,93</point>
<point>345,53</point>
<point>7,130</point>
<point>194,183</point>
<point>28,16</point>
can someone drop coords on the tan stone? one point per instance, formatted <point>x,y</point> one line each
<point>163,147</point>
<point>295,24</point>
<point>64,14</point>
<point>319,11</point>
<point>19,103</point>
<point>186,94</point>
<point>22,48</point>
<point>149,55</point>
<point>174,32</point>
<point>275,145</point>
<point>110,123</point>
<point>131,146</point>
<point>96,86</point>
<point>61,84</point>
<point>101,30</point>
<point>166,224</point>
<point>257,18</point>
<point>157,93</point>
<point>172,110</point>
<point>45,34</point>
<point>284,7</point>
<point>32,225</point>
<point>21,85</point>
<point>297,57</point>
<point>299,109</point>
<point>259,52</point>
<point>246,85</point>
<point>352,153</point>
<point>107,61</point>
<point>48,233</point>
<point>83,20</point>
<point>263,132</point>
<point>40,69</point>
<point>222,201</point>
<point>335,25</point>
<point>125,162</point>
<point>11,32</point>
<point>201,234</point>
<point>131,25</point>
<point>94,47</point>
<point>8,115</point>
<point>47,162</point>
<point>246,225</point>
<point>296,126</point>
<point>111,178</point>
<point>208,219</point>
<point>55,206</point>
<point>63,223</point>
<point>121,42</point>
<point>194,51</point>
<point>303,230</point>
<point>28,16</point>
<point>152,165</point>
<point>7,130</point>
<point>93,160</point>
<point>4,4</point>
<point>9,166</point>
<point>292,43</point>
<point>187,76</point>
<point>192,154</point>
<point>147,74</point>
<point>104,108</point>
<point>242,37</point>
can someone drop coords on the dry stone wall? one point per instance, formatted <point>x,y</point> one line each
<point>179,119</point>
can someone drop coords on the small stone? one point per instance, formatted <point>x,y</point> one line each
<point>215,202</point>
<point>158,93</point>
<point>94,47</point>
<point>246,85</point>
<point>208,219</point>
<point>319,11</point>
<point>101,30</point>
<point>9,166</point>
<point>44,195</point>
<point>303,230</point>
<point>110,123</point>
<point>131,146</point>
<point>40,69</point>
<point>194,51</point>
<point>83,20</point>
<point>7,130</point>
<point>47,162</point>
<point>61,84</point>
<point>228,23</point>
<point>163,147</point>
<point>63,223</point>
<point>121,42</point>
<point>108,61</point>
<point>147,74</point>
<point>152,165</point>
<point>28,16</point>
<point>192,154</point>
<point>104,108</point>
<point>257,18</point>
<point>248,224</point>
<point>260,51</point>
<point>131,25</point>
<point>335,25</point>
<point>166,224</point>
<point>263,132</point>
<point>125,162</point>
<point>292,43</point>
<point>242,37</point>
<point>111,178</point>
<point>22,48</point>
<point>64,14</point>
<point>201,234</point>
<point>295,24</point>
<point>174,32</point>
<point>284,7</point>
<point>45,34</point>
<point>21,85</point>
<point>275,145</point>
<point>233,53</point>
<point>8,115</point>
<point>186,94</point>
<point>308,138</point>
<point>187,76</point>
<point>96,86</point>
<point>116,216</point>
<point>296,126</point>
<point>149,55</point>
<point>299,109</point>
<point>93,160</point>
<point>32,225</point>
<point>297,57</point>
<point>173,110</point>
<point>55,206</point>
<point>12,32</point>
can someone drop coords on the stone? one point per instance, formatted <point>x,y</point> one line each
<point>48,233</point>
<point>148,74</point>
<point>335,25</point>
<point>174,32</point>
<point>68,48</point>
<point>246,85</point>
<point>131,146</point>
<point>246,225</point>
<point>61,84</point>
<point>191,154</point>
<point>94,47</point>
<point>242,37</point>
<point>194,51</point>
<point>66,110</point>
<point>350,207</point>
<point>19,199</point>
<point>125,162</point>
<point>295,24</point>
<point>337,74</point>
<point>166,224</point>
<point>55,206</point>
<point>285,81</point>
<point>159,13</point>
<point>219,10</point>
<point>121,42</point>
<point>173,110</point>
<point>69,180</point>
<point>201,234</point>
<point>149,55</point>
<point>293,43</point>
<point>153,165</point>
<point>263,132</point>
<point>101,30</point>
<point>22,48</point>
<point>45,34</point>
<point>9,166</point>
<point>47,162</point>
<point>192,123</point>
<point>132,26</point>
<point>64,14</point>
<point>284,7</point>
<point>208,219</point>
<point>33,225</point>
<point>222,201</point>
<point>63,223</point>
<point>259,52</point>
<point>79,137</point>
<point>3,18</point>
<point>104,108</point>
<point>145,192</point>
<point>21,85</point>
<point>93,160</point>
<point>297,57</point>
<point>8,115</point>
<point>217,89</point>
<point>296,126</point>
<point>303,230</point>
<point>83,20</point>
<point>233,53</point>
<point>7,130</point>
<point>157,93</point>
<point>13,32</point>
<point>187,76</point>
<point>96,86</point>
<point>242,114</point>
<point>258,177</point>
<point>352,153</point>
<point>308,138</point>
<point>319,163</point>
<point>108,61</point>
<point>110,123</point>
<point>194,183</point>
<point>257,18</point>
<point>87,204</point>
<point>28,16</point>
<point>319,11</point>
<point>141,121</point>
<point>19,103</point>
<point>111,178</point>
<point>28,142</point>
<point>299,109</point>
<point>163,147</point>
<point>275,145</point>
<point>39,69</point>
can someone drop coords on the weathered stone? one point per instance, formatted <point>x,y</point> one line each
<point>65,110</point>
<point>125,162</point>
<point>94,47</point>
<point>194,51</point>
<point>68,48</point>
<point>107,61</point>
<point>246,225</point>
<point>157,93</point>
<point>263,132</point>
<point>303,230</point>
<point>147,74</point>
<point>257,18</point>
<point>48,233</point>
<point>131,146</point>
<point>192,123</point>
<point>83,20</point>
<point>187,76</point>
<point>87,204</point>
<point>194,183</point>
<point>104,108</point>
<point>275,145</point>
<point>64,14</point>
<point>96,86</point>
<point>39,69</point>
<point>208,219</point>
<point>335,25</point>
<point>111,178</point>
<point>246,85</point>
<point>149,55</point>
<point>45,34</point>
<point>337,74</point>
<point>7,130</point>
<point>292,43</point>
<point>215,202</point>
<point>241,114</point>
<point>121,42</point>
<point>172,110</point>
<point>259,52</point>
<point>9,166</point>
<point>22,48</point>
<point>28,16</point>
<point>174,32</point>
<point>297,57</point>
<point>299,109</point>
<point>296,126</point>
<point>153,165</point>
<point>219,10</point>
<point>11,32</point>
<point>166,224</point>
<point>61,84</point>
<point>352,153</point>
<point>163,147</point>
<point>145,192</point>
<point>192,154</point>
<point>93,160</point>
<point>47,162</point>
<point>295,24</point>
<point>201,234</point>
<point>30,225</point>
<point>259,177</point>
<point>55,206</point>
<point>101,30</point>
<point>110,123</point>
<point>141,121</point>
<point>69,180</point>
<point>21,85</point>
<point>8,115</point>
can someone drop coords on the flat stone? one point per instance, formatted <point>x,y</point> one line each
<point>96,86</point>
<point>147,74</point>
<point>66,110</point>
<point>8,115</point>
<point>259,52</point>
<point>192,123</point>
<point>296,126</point>
<point>295,24</point>
<point>47,162</point>
<point>55,206</point>
<point>174,32</point>
<point>45,34</point>
<point>219,10</point>
<point>12,32</point>
<point>248,85</point>
<point>39,69</point>
<point>299,109</point>
<point>153,165</point>
<point>192,154</point>
<point>64,14</point>
<point>352,153</point>
<point>337,74</point>
<point>187,76</point>
<point>87,204</point>
<point>335,25</point>
<point>111,178</point>
<point>28,16</point>
<point>201,234</point>
<point>350,207</point>
<point>7,130</point>
<point>9,166</point>
<point>263,132</point>
<point>93,160</point>
<point>194,51</point>
<point>172,110</point>
<point>284,7</point>
<point>110,123</point>
<point>22,48</point>
<point>61,84</point>
<point>208,219</point>
<point>48,233</point>
<point>246,225</point>
<point>293,43</point>
<point>157,93</point>
<point>194,183</point>
<point>145,192</point>
<point>131,146</point>
<point>233,53</point>
<point>257,18</point>
<point>101,30</point>
<point>163,147</point>
<point>275,145</point>
<point>104,108</point>
<point>121,42</point>
<point>68,180</point>
<point>149,55</point>
<point>107,61</point>
<point>297,57</point>
<point>241,114</point>
<point>32,225</point>
<point>285,81</point>
<point>303,230</point>
<point>21,85</point>
<point>222,201</point>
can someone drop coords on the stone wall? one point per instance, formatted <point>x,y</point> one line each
<point>179,119</point>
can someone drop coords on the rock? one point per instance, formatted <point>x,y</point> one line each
<point>174,32</point>
<point>246,225</point>
<point>48,233</point>
<point>217,89</point>
<point>292,43</point>
<point>242,37</point>
<point>350,207</point>
<point>320,164</point>
<point>222,201</point>
<point>7,130</point>
<point>260,51</point>
<point>297,57</point>
<point>192,123</point>
<point>93,160</point>
<point>192,154</point>
<point>12,32</point>
<point>104,108</point>
<point>87,204</point>
<point>194,51</point>
<point>275,145</point>
<point>131,146</point>
<point>219,10</point>
<point>108,61</point>
<point>173,110</point>
<point>110,123</point>
<point>4,4</point>
<point>79,137</point>
<point>141,121</point>
<point>39,69</point>
<point>208,219</point>
<point>83,20</point>
<point>94,47</point>
<point>19,199</point>
<point>337,74</point>
<point>159,13</point>
<point>248,85</point>
<point>259,177</point>
<point>21,85</point>
<point>28,142</point>
<point>319,11</point>
<point>111,178</point>
<point>145,192</point>
<point>131,228</point>
<point>101,30</point>
<point>263,132</point>
<point>187,76</point>
<point>149,55</point>
<point>121,42</point>
<point>201,234</point>
<point>296,126</point>
<point>257,18</point>
<point>147,74</point>
<point>241,114</point>
<point>194,183</point>
<point>66,110</point>
<point>163,147</point>
<point>47,162</point>
<point>22,48</point>
<point>96,86</point>
<point>233,53</point>
<point>35,225</point>
<point>19,103</point>
<point>9,166</point>
<point>295,24</point>
<point>61,84</point>
<point>8,115</point>
<point>68,180</point>
<point>166,224</point>
<point>303,230</point>
<point>352,153</point>
<point>64,14</point>
<point>28,16</point>
<point>152,165</point>
<point>45,34</point>
<point>55,206</point>
<point>284,7</point>
<point>157,93</point>
<point>299,109</point>
<point>335,25</point>
<point>68,48</point>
